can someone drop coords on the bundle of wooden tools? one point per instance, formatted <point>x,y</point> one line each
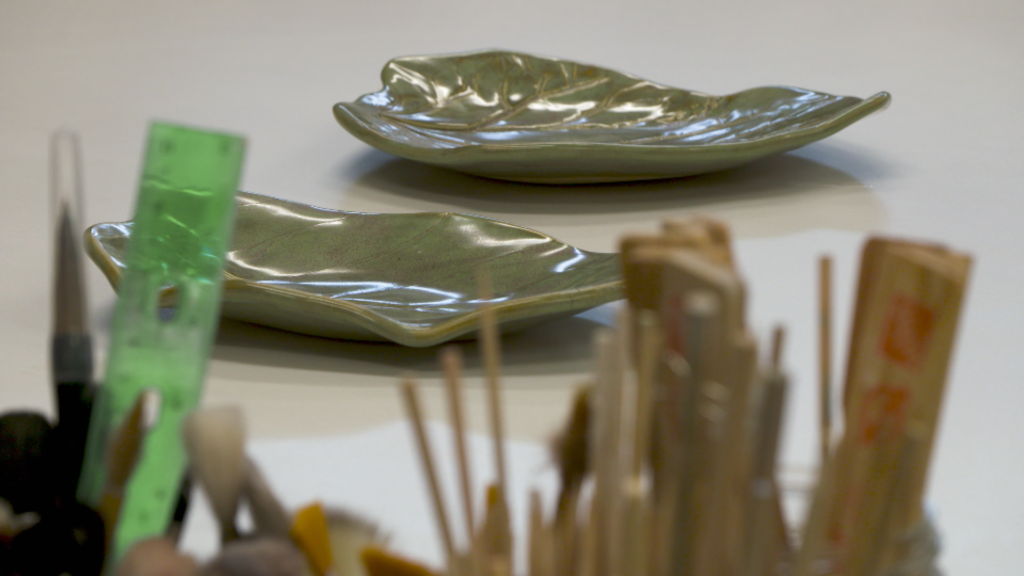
<point>667,460</point>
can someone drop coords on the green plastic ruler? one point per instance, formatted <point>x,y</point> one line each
<point>180,233</point>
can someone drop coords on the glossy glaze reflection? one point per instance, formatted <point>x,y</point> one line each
<point>520,117</point>
<point>408,278</point>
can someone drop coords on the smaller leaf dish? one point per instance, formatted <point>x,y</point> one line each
<point>407,278</point>
<point>514,116</point>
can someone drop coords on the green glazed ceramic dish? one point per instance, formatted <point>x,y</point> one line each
<point>519,117</point>
<point>407,278</point>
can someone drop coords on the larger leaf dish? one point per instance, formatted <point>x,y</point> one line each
<point>407,278</point>
<point>527,118</point>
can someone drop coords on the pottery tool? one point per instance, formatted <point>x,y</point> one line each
<point>491,343</point>
<point>181,229</point>
<point>215,443</point>
<point>156,557</point>
<point>412,407</point>
<point>489,340</point>
<point>491,544</point>
<point>541,539</point>
<point>763,492</point>
<point>180,509</point>
<point>905,322</point>
<point>778,345</point>
<point>669,456</point>
<point>637,515</point>
<point>260,557</point>
<point>709,236</point>
<point>569,448</point>
<point>349,534</point>
<point>703,308</point>
<point>381,562</point>
<point>604,441</point>
<point>451,360</point>
<point>310,533</point>
<point>825,354</point>
<point>122,455</point>
<point>269,518</point>
<point>643,255</point>
<point>71,344</point>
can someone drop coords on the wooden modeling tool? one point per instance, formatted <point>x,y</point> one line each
<point>570,448</point>
<point>415,413</point>
<point>905,322</point>
<point>825,355</point>
<point>668,458</point>
<point>181,230</point>
<point>451,360</point>
<point>760,545</point>
<point>643,255</point>
<point>122,456</point>
<point>605,443</point>
<point>269,517</point>
<point>489,340</point>
<point>709,236</point>
<point>491,343</point>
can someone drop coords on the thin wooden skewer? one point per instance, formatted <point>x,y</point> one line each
<point>762,487</point>
<point>451,359</point>
<point>412,405</point>
<point>825,352</point>
<point>492,364</point>
<point>778,344</point>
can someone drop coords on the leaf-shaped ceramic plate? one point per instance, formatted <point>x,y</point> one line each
<point>408,278</point>
<point>519,117</point>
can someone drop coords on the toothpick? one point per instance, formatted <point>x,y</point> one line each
<point>825,353</point>
<point>451,359</point>
<point>412,405</point>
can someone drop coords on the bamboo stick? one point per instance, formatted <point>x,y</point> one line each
<point>825,354</point>
<point>492,362</point>
<point>412,405</point>
<point>451,360</point>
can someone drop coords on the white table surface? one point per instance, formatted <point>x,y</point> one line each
<point>941,163</point>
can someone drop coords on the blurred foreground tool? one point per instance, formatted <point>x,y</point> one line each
<point>870,496</point>
<point>71,344</point>
<point>181,229</point>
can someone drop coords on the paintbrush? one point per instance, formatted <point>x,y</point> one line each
<point>215,442</point>
<point>71,344</point>
<point>569,448</point>
<point>122,455</point>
